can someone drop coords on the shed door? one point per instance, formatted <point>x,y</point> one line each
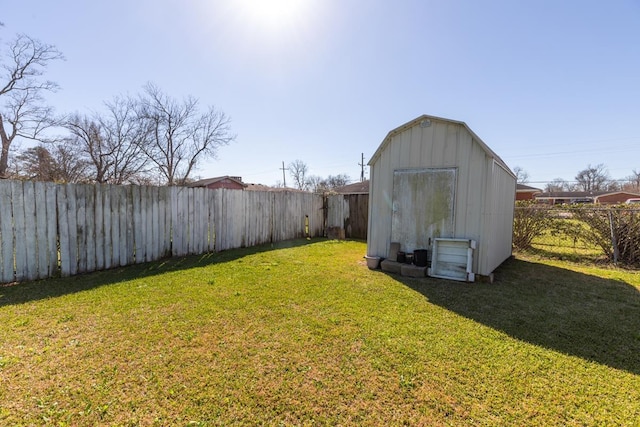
<point>423,206</point>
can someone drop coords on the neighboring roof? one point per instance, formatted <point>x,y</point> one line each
<point>581,194</point>
<point>611,193</point>
<point>209,181</point>
<point>261,187</point>
<point>424,117</point>
<point>527,189</point>
<point>570,194</point>
<point>355,188</point>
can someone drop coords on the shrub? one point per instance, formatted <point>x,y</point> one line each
<point>616,230</point>
<point>529,221</point>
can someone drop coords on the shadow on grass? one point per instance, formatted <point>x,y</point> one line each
<point>50,288</point>
<point>577,314</point>
<point>572,255</point>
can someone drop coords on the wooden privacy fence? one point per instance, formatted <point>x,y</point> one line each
<point>48,229</point>
<point>349,212</point>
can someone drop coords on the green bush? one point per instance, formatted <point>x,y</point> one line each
<point>529,221</point>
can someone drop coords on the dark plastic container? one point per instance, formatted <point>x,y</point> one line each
<point>421,257</point>
<point>402,257</point>
<point>409,258</point>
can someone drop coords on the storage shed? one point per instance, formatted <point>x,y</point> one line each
<point>434,178</point>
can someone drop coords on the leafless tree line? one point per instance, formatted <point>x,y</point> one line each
<point>299,172</point>
<point>148,138</point>
<point>592,178</point>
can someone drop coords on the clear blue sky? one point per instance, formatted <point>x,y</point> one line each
<point>551,86</point>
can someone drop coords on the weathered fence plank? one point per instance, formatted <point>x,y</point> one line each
<point>130,251</point>
<point>52,229</point>
<point>7,273</point>
<point>31,230</point>
<point>123,223</point>
<point>42,241</point>
<point>73,228</point>
<point>108,232</point>
<point>90,226</point>
<point>148,223</point>
<point>137,224</point>
<point>98,211</point>
<point>115,225</point>
<point>81,227</point>
<point>165,230</point>
<point>19,230</point>
<point>63,231</point>
<point>155,219</point>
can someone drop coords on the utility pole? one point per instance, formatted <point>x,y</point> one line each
<point>284,179</point>
<point>361,164</point>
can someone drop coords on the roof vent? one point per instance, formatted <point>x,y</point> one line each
<point>425,123</point>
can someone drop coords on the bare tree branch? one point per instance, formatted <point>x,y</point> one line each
<point>179,137</point>
<point>22,113</point>
<point>111,141</point>
<point>298,171</point>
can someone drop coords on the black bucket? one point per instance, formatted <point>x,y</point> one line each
<point>421,257</point>
<point>402,257</point>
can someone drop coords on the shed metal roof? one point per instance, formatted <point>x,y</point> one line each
<point>423,117</point>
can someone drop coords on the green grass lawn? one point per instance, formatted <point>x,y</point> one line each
<point>305,334</point>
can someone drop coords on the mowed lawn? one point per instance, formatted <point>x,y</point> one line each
<point>304,334</point>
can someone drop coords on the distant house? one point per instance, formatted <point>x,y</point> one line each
<point>615,197</point>
<point>229,182</point>
<point>355,188</point>
<point>524,192</point>
<point>573,197</point>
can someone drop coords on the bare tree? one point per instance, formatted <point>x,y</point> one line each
<point>633,182</point>
<point>593,178</point>
<point>298,171</point>
<point>71,167</point>
<point>179,135</point>
<point>557,185</point>
<point>316,184</point>
<point>58,162</point>
<point>112,141</point>
<point>522,176</point>
<point>36,163</point>
<point>335,181</point>
<point>22,110</point>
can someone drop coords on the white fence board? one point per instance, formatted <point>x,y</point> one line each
<point>136,250</point>
<point>130,251</point>
<point>7,273</point>
<point>90,227</point>
<point>63,231</point>
<point>123,220</point>
<point>81,206</point>
<point>52,229</point>
<point>72,209</point>
<point>19,230</point>
<point>107,220</point>
<point>42,241</point>
<point>99,226</point>
<point>163,225</point>
<point>115,225</point>
<point>31,231</point>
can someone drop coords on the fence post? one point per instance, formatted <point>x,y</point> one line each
<point>614,241</point>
